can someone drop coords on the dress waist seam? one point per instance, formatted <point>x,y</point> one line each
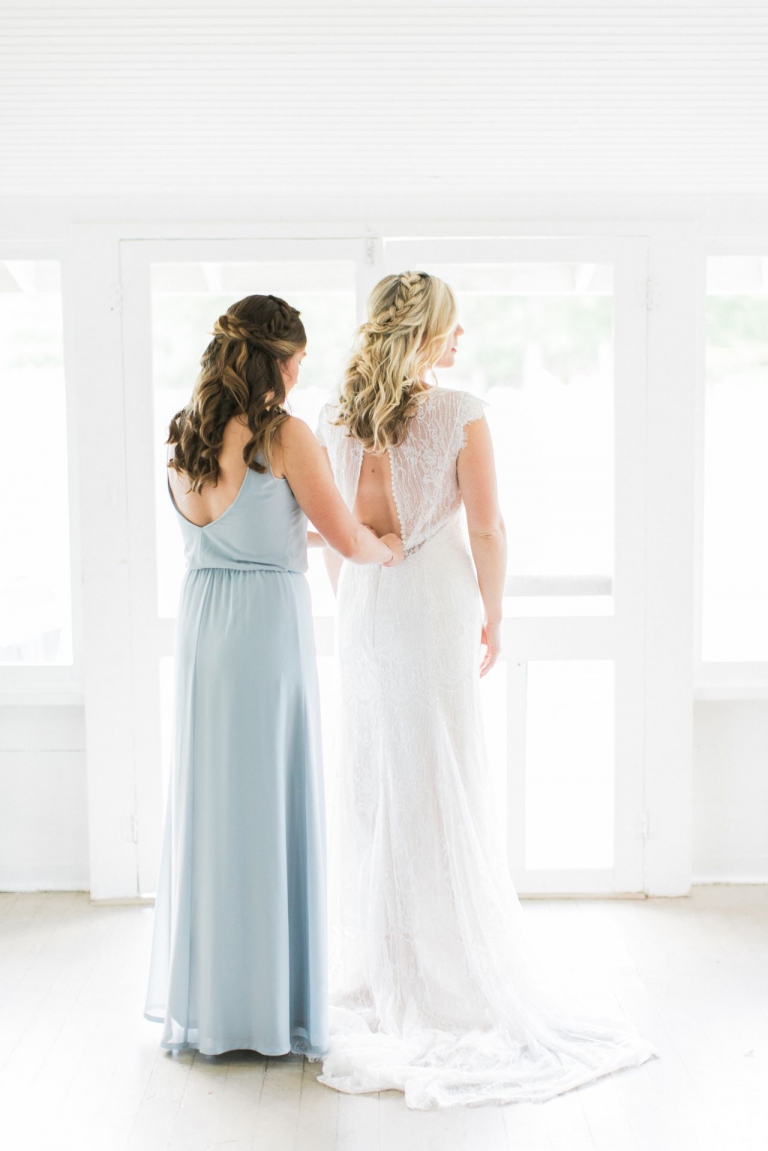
<point>245,568</point>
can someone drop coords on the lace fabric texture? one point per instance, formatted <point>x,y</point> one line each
<point>432,987</point>
<point>424,482</point>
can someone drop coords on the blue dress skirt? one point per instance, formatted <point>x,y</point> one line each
<point>239,948</point>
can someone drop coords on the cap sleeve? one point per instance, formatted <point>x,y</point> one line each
<point>321,431</point>
<point>471,408</point>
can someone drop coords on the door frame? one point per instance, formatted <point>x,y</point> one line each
<point>153,637</point>
<point>620,637</point>
<point>670,299</point>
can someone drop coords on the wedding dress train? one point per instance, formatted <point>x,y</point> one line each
<point>433,991</point>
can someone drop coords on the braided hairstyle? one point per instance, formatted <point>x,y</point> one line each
<point>410,318</point>
<point>240,375</point>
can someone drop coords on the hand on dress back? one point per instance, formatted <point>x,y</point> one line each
<point>396,544</point>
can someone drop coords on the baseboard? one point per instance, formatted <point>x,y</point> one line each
<point>44,877</point>
<point>126,901</point>
<point>711,880</point>
<point>583,895</point>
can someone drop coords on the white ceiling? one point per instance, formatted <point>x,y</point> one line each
<point>117,99</point>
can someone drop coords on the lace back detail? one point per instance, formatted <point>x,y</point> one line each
<point>424,482</point>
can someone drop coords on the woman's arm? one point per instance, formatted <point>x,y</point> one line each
<point>332,559</point>
<point>477,483</point>
<point>304,464</point>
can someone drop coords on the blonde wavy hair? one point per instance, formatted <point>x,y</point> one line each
<point>410,318</point>
<point>240,376</point>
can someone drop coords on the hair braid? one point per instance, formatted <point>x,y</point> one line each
<point>410,317</point>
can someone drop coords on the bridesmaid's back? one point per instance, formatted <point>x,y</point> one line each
<point>263,527</point>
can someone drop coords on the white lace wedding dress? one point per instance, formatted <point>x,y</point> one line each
<point>432,989</point>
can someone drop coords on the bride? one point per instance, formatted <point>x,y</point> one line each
<point>433,991</point>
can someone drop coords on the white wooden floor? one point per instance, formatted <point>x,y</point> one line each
<point>80,1067</point>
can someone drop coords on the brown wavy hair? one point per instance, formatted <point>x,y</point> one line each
<point>240,375</point>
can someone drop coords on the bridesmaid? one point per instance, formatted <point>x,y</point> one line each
<point>239,947</point>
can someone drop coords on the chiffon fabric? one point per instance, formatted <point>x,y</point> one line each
<point>433,990</point>
<point>239,947</point>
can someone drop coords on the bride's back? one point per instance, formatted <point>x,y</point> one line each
<point>374,502</point>
<point>413,488</point>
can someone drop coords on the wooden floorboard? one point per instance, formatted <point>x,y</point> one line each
<point>80,1067</point>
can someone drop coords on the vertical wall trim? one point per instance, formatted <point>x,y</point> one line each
<point>672,375</point>
<point>97,388</point>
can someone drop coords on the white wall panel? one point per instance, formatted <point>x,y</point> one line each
<point>115,98</point>
<point>43,804</point>
<point>43,799</point>
<point>730,791</point>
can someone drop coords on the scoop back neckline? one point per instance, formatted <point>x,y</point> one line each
<point>227,509</point>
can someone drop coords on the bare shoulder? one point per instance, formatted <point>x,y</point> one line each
<point>295,433</point>
<point>295,446</point>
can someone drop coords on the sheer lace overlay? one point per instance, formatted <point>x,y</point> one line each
<point>424,482</point>
<point>433,990</point>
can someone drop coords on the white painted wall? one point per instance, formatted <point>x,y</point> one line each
<point>730,791</point>
<point>43,799</point>
<point>619,115</point>
<point>44,829</point>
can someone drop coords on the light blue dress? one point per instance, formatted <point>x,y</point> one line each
<point>239,948</point>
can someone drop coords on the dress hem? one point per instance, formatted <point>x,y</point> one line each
<point>311,1053</point>
<point>417,1099</point>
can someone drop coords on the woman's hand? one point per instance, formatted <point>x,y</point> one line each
<point>306,467</point>
<point>395,544</point>
<point>491,641</point>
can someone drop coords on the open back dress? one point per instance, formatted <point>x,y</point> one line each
<point>433,986</point>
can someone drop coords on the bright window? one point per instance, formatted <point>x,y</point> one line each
<point>186,299</point>
<point>35,584</point>
<point>735,559</point>
<point>538,345</point>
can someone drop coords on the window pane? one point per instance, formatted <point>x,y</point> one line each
<point>735,577</point>
<point>186,299</point>
<point>569,768</point>
<point>538,345</point>
<point>35,586</point>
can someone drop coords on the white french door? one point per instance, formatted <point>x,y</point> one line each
<point>556,342</point>
<point>172,291</point>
